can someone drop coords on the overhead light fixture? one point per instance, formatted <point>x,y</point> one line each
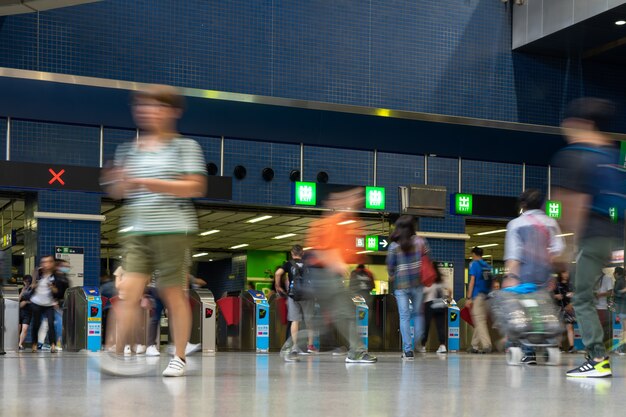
<point>365,251</point>
<point>491,232</point>
<point>23,253</point>
<point>488,256</point>
<point>126,229</point>
<point>210,260</point>
<point>308,248</point>
<point>490,245</point>
<point>285,236</point>
<point>243,245</point>
<point>209,232</point>
<point>565,234</point>
<point>197,255</point>
<point>343,223</point>
<point>620,22</point>
<point>259,219</point>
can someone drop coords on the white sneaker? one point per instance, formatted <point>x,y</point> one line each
<point>152,351</point>
<point>189,349</point>
<point>192,348</point>
<point>442,349</point>
<point>127,350</point>
<point>140,349</point>
<point>176,367</point>
<point>421,349</point>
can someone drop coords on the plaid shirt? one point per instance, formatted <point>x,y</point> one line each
<point>405,268</point>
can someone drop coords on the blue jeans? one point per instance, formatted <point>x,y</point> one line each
<point>58,323</point>
<point>416,295</point>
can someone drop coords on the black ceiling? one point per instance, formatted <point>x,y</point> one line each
<point>597,38</point>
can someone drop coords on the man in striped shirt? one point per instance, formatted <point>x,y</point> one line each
<point>157,176</point>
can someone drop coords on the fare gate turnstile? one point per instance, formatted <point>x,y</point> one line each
<point>454,327</point>
<point>278,322</point>
<point>82,319</point>
<point>243,322</point>
<point>362,320</point>
<point>9,318</point>
<point>618,330</point>
<point>204,316</point>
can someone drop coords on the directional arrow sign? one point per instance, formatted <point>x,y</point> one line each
<point>373,243</point>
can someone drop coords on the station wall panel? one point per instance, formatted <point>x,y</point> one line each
<point>55,143</point>
<point>343,166</point>
<point>427,56</point>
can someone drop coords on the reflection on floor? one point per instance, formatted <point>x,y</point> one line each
<point>238,384</point>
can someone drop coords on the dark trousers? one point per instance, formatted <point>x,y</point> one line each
<point>38,313</point>
<point>440,321</point>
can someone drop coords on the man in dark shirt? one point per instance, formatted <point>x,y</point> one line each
<point>297,311</point>
<point>589,189</point>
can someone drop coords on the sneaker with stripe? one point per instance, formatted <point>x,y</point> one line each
<point>176,367</point>
<point>592,369</point>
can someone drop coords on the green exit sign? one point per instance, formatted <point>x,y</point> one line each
<point>554,209</point>
<point>371,242</point>
<point>613,214</point>
<point>375,198</point>
<point>463,204</point>
<point>305,193</point>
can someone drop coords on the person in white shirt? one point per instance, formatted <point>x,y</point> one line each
<point>602,291</point>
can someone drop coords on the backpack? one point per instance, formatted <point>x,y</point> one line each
<point>487,275</point>
<point>360,281</point>
<point>612,178</point>
<point>300,287</point>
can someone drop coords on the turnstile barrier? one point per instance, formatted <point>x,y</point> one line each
<point>204,315</point>
<point>82,319</point>
<point>9,318</point>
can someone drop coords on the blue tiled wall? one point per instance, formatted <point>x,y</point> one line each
<point>394,170</point>
<point>212,149</point>
<point>343,166</point>
<point>491,178</point>
<point>255,156</point>
<point>83,234</point>
<point>3,139</point>
<point>113,138</point>
<point>54,143</point>
<point>69,202</point>
<point>537,177</point>
<point>428,55</point>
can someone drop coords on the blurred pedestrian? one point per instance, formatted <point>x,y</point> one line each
<point>436,308</point>
<point>563,294</point>
<point>26,314</point>
<point>404,266</point>
<point>478,289</point>
<point>332,238</point>
<point>590,187</point>
<point>157,175</point>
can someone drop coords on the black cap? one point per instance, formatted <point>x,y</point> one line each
<point>597,110</point>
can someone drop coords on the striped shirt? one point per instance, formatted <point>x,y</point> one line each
<point>146,212</point>
<point>531,239</point>
<point>405,268</point>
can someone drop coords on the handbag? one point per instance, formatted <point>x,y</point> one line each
<point>429,274</point>
<point>440,302</point>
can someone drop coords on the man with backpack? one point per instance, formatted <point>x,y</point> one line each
<point>479,287</point>
<point>590,187</point>
<point>300,307</point>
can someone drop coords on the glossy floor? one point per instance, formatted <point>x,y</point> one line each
<point>243,384</point>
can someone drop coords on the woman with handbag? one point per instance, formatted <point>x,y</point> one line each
<point>26,315</point>
<point>436,307</point>
<point>405,267</point>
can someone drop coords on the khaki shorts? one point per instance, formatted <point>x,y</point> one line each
<point>167,255</point>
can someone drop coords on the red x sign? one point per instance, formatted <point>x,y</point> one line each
<point>56,177</point>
